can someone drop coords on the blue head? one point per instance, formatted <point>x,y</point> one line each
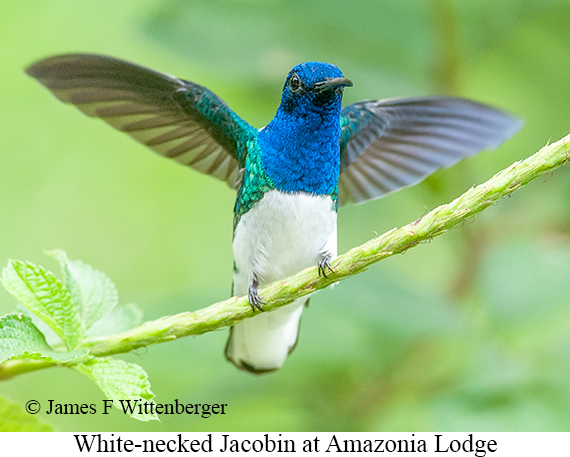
<point>301,145</point>
<point>313,87</point>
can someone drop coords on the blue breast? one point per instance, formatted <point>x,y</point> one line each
<point>302,153</point>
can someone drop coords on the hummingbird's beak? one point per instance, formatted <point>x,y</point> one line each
<point>332,83</point>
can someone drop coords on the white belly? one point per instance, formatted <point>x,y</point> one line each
<point>282,234</point>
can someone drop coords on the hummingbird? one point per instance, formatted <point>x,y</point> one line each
<point>292,175</point>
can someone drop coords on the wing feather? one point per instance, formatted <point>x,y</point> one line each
<point>390,144</point>
<point>176,118</point>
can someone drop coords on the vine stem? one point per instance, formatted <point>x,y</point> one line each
<point>356,260</point>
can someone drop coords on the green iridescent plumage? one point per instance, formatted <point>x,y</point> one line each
<point>255,182</point>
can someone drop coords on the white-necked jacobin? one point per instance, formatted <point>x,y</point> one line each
<point>291,175</point>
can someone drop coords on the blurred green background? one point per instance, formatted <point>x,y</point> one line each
<point>470,331</point>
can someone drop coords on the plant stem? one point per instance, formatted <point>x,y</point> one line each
<point>11,368</point>
<point>358,259</point>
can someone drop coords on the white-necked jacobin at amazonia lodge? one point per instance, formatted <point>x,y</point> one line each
<point>291,175</point>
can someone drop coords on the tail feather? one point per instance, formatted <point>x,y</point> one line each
<point>261,344</point>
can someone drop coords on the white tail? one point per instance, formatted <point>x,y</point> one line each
<point>261,344</point>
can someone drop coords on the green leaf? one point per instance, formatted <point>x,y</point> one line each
<point>120,319</point>
<point>14,418</point>
<point>120,380</point>
<point>91,290</point>
<point>51,337</point>
<point>43,294</point>
<point>20,338</point>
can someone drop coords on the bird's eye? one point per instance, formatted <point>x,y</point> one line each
<point>295,82</point>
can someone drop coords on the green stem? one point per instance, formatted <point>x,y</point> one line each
<point>12,368</point>
<point>280,293</point>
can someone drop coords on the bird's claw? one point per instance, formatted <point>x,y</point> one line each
<point>324,264</point>
<point>254,299</point>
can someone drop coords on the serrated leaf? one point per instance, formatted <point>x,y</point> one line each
<point>14,418</point>
<point>20,338</point>
<point>92,291</point>
<point>43,294</point>
<point>120,319</point>
<point>120,380</point>
<point>51,337</point>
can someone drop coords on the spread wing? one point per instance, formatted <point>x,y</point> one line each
<point>176,118</point>
<point>390,144</point>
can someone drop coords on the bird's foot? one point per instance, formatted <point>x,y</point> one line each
<point>254,299</point>
<point>324,264</point>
